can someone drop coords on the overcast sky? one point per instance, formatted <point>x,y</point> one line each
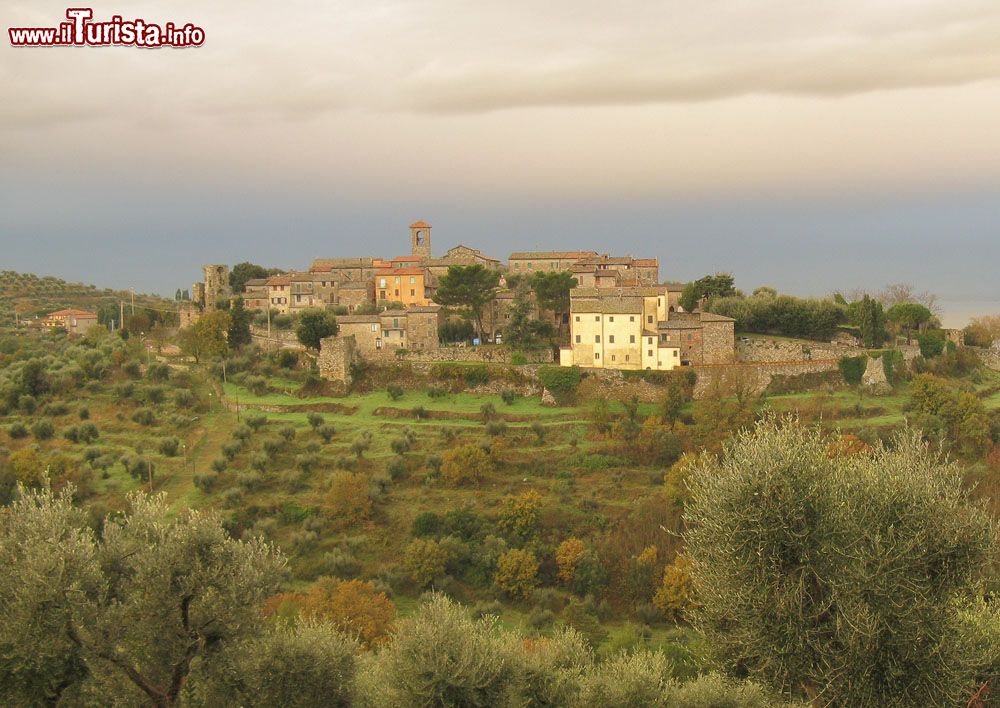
<point>809,146</point>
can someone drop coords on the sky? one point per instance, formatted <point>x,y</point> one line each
<point>808,146</point>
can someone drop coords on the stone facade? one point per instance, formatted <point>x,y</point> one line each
<point>354,295</point>
<point>488,354</point>
<point>216,285</point>
<point>702,337</point>
<point>188,314</point>
<point>336,355</point>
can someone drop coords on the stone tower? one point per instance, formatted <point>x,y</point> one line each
<point>420,239</point>
<point>216,285</point>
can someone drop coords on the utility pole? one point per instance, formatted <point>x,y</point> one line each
<point>133,300</point>
<point>121,314</point>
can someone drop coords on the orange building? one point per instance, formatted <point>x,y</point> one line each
<point>405,285</point>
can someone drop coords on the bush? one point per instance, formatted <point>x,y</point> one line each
<point>219,464</point>
<point>158,372</point>
<point>517,572</point>
<point>931,344</point>
<point>852,368</point>
<point>400,446</point>
<point>88,433</point>
<point>183,398</point>
<point>435,392</point>
<point>395,392</point>
<point>72,434</point>
<point>419,412</point>
<point>143,416</point>
<point>257,385</point>
<point>508,396</point>
<point>467,463</point>
<point>488,411</point>
<point>17,431</point>
<point>287,432</point>
<point>169,447</point>
<point>256,422</point>
<point>476,375</point>
<point>43,430</point>
<point>326,432</point>
<point>496,428</point>
<point>84,413</point>
<point>27,404</point>
<point>315,420</point>
<point>424,560</point>
<point>560,380</point>
<point>425,524</point>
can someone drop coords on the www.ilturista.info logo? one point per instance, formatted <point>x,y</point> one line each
<point>81,31</point>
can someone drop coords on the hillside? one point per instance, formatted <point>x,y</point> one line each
<point>31,295</point>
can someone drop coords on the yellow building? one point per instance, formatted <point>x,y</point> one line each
<point>405,285</point>
<point>616,328</point>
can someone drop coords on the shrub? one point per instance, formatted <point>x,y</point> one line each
<point>315,420</point>
<point>158,372</point>
<point>465,464</point>
<point>931,344</point>
<point>395,391</point>
<point>424,560</point>
<point>561,381</point>
<point>183,398</point>
<point>72,434</point>
<point>516,574</point>
<point>17,431</point>
<point>852,368</point>
<point>287,432</point>
<point>508,396</point>
<point>476,375</point>
<point>27,404</point>
<point>143,416</point>
<point>518,520</point>
<point>354,607</point>
<point>435,392</point>
<point>518,359</point>
<point>419,412</point>
<point>675,597</point>
<point>496,428</point>
<point>55,409</point>
<point>400,446</point>
<point>154,395</point>
<point>425,524</point>
<point>349,499</point>
<point>43,430</point>
<point>539,430</point>
<point>84,413</point>
<point>326,432</point>
<point>169,447</point>
<point>206,481</point>
<point>257,385</point>
<point>568,555</point>
<point>488,411</point>
<point>256,422</point>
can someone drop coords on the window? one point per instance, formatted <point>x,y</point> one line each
<point>578,318</point>
<point>597,318</point>
<point>395,323</point>
<point>397,280</point>
<point>611,339</point>
<point>649,353</point>
<point>413,280</point>
<point>397,292</point>
<point>578,339</point>
<point>676,354</point>
<point>631,318</point>
<point>381,282</point>
<point>597,355</point>
<point>631,339</point>
<point>612,357</point>
<point>412,292</point>
<point>374,328</point>
<point>649,319</point>
<point>611,319</point>
<point>597,339</point>
<point>626,357</point>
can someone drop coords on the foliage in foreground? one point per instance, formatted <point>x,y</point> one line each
<point>166,611</point>
<point>847,579</point>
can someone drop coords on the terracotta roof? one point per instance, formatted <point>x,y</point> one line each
<point>420,225</point>
<point>626,291</point>
<point>712,317</point>
<point>279,280</point>
<point>550,255</point>
<point>71,313</point>
<point>255,281</point>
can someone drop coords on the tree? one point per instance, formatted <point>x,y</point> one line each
<point>523,330</point>
<point>552,290</point>
<point>517,571</point>
<point>242,272</point>
<point>239,324</point>
<point>129,613</point>
<point>206,337</point>
<point>853,576</point>
<point>676,395</point>
<point>519,516</point>
<point>308,664</point>
<point>467,463</point>
<point>568,555</point>
<point>470,288</point>
<point>931,344</point>
<point>425,560</point>
<point>983,331</point>
<point>909,316</point>
<point>314,326</point>
<point>349,498</point>
<point>867,314</point>
<point>354,608</point>
<point>675,597</point>
<point>899,293</point>
<point>718,285</point>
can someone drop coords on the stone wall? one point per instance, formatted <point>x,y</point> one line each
<point>279,339</point>
<point>990,358</point>
<point>752,377</point>
<point>791,350</point>
<point>484,354</point>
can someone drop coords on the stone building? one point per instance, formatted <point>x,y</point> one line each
<point>353,295</point>
<point>279,288</point>
<point>640,327</point>
<point>415,327</point>
<point>459,256</point>
<point>366,330</point>
<point>343,270</point>
<point>703,337</point>
<point>73,321</point>
<point>618,331</point>
<point>616,271</point>
<point>216,286</point>
<point>420,239</point>
<point>255,295</point>
<point>521,262</point>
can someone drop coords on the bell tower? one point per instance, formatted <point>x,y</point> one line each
<point>420,239</point>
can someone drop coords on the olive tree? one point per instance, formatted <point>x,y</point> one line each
<point>845,579</point>
<point>127,614</point>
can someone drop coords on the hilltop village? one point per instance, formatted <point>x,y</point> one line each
<point>620,315</point>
